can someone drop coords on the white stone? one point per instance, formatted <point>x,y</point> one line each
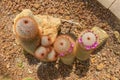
<point>115,8</point>
<point>106,3</point>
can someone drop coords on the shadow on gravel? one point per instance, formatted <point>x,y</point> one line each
<point>52,70</point>
<point>64,70</point>
<point>31,59</point>
<point>81,67</point>
<point>48,71</point>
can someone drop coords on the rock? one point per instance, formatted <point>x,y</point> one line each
<point>104,54</point>
<point>100,66</point>
<point>8,65</point>
<point>93,60</point>
<point>39,64</point>
<point>36,5</point>
<point>108,75</point>
<point>67,17</point>
<point>30,71</point>
<point>117,35</point>
<point>113,78</point>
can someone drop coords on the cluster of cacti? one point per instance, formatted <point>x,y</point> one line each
<point>38,35</point>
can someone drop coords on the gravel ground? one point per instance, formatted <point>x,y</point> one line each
<point>16,64</point>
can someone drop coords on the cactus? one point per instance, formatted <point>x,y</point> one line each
<point>88,41</point>
<point>64,46</point>
<point>27,33</point>
<point>41,53</point>
<point>46,41</point>
<point>85,44</point>
<point>52,55</point>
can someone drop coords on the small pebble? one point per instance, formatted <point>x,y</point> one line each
<point>117,35</point>
<point>100,66</point>
<point>36,5</point>
<point>113,78</point>
<point>30,71</point>
<point>93,60</point>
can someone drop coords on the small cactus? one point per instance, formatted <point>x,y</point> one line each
<point>46,41</point>
<point>52,55</point>
<point>64,46</point>
<point>26,27</point>
<point>85,44</point>
<point>41,53</point>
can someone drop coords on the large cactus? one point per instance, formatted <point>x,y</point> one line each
<point>27,33</point>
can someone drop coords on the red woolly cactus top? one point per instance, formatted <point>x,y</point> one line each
<point>88,39</point>
<point>41,53</point>
<point>46,41</point>
<point>26,27</point>
<point>63,45</point>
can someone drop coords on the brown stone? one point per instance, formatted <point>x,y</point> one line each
<point>100,66</point>
<point>36,5</point>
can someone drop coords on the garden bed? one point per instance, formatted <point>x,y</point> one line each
<point>16,64</point>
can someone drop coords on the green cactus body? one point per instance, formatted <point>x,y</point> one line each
<point>102,35</point>
<point>82,54</point>
<point>68,59</point>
